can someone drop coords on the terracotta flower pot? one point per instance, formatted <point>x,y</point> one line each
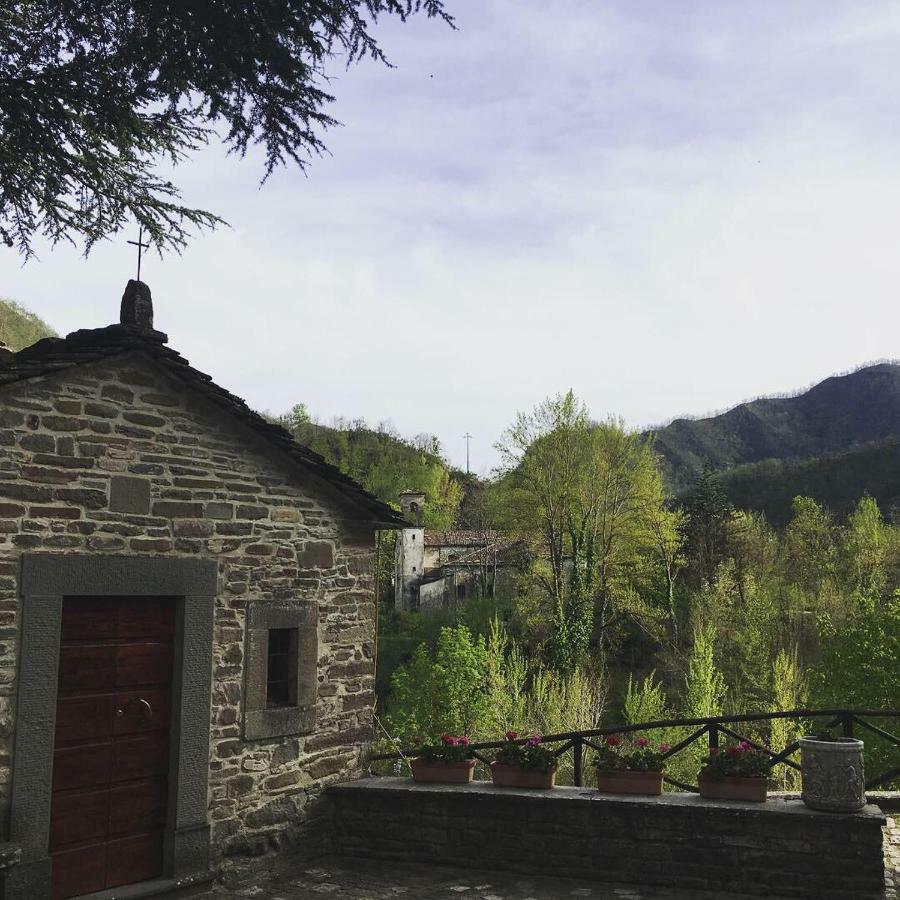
<point>624,781</point>
<point>446,772</point>
<point>734,787</point>
<point>833,775</point>
<point>515,776</point>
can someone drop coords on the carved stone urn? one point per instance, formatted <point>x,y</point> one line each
<point>832,771</point>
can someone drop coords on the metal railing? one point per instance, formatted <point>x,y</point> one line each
<point>712,728</point>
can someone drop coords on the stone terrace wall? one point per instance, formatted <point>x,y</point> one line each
<point>197,484</point>
<point>779,849</point>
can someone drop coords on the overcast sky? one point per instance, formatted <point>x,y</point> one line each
<point>669,207</point>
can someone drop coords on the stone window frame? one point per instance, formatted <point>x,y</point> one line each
<point>261,721</point>
<point>48,578</point>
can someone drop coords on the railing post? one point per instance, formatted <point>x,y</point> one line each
<point>578,760</point>
<point>847,724</point>
<point>713,737</point>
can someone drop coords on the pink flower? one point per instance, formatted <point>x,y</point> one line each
<point>512,735</point>
<point>664,748</point>
<point>614,740</point>
<point>643,742</point>
<point>534,740</point>
<point>463,741</point>
<point>745,746</point>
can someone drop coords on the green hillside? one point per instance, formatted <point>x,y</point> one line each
<point>20,328</point>
<point>835,442</point>
<point>837,481</point>
<point>386,464</point>
<point>840,414</point>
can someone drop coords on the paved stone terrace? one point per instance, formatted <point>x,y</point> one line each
<point>351,879</point>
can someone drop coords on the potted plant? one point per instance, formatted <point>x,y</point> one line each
<point>832,772</point>
<point>451,760</point>
<point>630,769</point>
<point>528,764</point>
<point>737,772</point>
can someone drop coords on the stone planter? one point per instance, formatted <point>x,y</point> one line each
<point>627,782</point>
<point>515,776</point>
<point>446,772</point>
<point>734,787</point>
<point>833,775</point>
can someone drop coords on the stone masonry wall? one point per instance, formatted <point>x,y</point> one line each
<point>76,446</point>
<point>778,849</point>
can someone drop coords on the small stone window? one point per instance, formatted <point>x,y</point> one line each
<point>281,669</point>
<point>282,664</point>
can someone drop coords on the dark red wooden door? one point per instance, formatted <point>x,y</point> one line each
<point>111,754</point>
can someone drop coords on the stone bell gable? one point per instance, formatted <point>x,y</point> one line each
<point>134,489</point>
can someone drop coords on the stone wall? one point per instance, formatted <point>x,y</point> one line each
<point>776,849</point>
<point>117,458</point>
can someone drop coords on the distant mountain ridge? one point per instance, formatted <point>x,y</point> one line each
<point>857,411</point>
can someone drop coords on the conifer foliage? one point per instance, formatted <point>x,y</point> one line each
<point>93,96</point>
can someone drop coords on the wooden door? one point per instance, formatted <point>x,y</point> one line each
<point>111,753</point>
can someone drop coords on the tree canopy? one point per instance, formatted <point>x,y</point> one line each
<point>94,96</point>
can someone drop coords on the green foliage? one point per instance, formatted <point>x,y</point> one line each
<point>20,328</point>
<point>693,610</point>
<point>96,96</point>
<point>450,748</point>
<point>530,754</point>
<point>636,755</point>
<point>590,498</point>
<point>836,480</point>
<point>737,760</point>
<point>789,691</point>
<point>704,684</point>
<point>383,463</point>
<point>441,691</point>
<point>645,702</point>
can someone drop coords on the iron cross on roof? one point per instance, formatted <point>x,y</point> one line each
<point>141,246</point>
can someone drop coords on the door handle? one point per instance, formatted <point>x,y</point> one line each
<point>148,709</point>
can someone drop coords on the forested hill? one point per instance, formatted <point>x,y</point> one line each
<point>838,415</point>
<point>386,464</point>
<point>20,328</point>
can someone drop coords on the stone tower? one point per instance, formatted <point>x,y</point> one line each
<point>409,557</point>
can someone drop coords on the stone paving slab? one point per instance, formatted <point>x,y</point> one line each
<point>353,879</point>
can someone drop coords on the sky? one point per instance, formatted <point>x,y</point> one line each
<point>667,207</point>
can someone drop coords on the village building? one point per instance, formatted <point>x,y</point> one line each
<point>187,618</point>
<point>436,570</point>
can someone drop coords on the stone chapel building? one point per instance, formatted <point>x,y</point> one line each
<point>187,618</point>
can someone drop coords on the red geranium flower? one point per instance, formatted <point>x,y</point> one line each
<point>614,740</point>
<point>643,742</point>
<point>512,735</point>
<point>733,751</point>
<point>463,741</point>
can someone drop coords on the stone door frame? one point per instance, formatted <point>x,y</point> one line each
<point>46,578</point>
